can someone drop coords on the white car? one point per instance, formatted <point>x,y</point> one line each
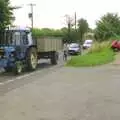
<point>74,48</point>
<point>87,44</point>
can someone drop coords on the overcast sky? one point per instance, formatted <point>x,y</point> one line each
<point>50,13</point>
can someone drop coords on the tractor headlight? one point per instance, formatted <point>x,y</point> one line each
<point>12,54</point>
<point>3,57</point>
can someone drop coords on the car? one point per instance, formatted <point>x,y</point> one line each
<point>115,45</point>
<point>87,44</point>
<point>74,49</point>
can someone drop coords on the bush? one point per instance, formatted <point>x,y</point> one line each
<point>117,37</point>
<point>46,32</point>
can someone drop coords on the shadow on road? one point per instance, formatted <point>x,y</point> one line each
<point>41,66</point>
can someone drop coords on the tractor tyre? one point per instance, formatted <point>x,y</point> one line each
<point>32,59</point>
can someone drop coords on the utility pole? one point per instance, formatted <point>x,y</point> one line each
<point>75,21</point>
<point>76,27</point>
<point>31,14</point>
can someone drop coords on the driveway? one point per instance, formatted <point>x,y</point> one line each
<point>65,94</point>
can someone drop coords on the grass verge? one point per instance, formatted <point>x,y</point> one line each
<point>93,58</point>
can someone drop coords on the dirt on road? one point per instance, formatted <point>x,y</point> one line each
<point>66,94</point>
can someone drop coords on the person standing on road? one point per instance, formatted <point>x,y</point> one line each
<point>65,51</point>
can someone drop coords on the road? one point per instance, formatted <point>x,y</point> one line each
<point>9,81</point>
<point>62,93</point>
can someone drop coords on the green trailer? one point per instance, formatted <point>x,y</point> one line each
<point>48,48</point>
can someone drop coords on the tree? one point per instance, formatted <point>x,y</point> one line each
<point>5,13</point>
<point>107,26</point>
<point>69,21</point>
<point>82,28</point>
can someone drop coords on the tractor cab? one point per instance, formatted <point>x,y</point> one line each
<point>14,43</point>
<point>14,37</point>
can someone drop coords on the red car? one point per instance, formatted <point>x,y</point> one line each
<point>115,45</point>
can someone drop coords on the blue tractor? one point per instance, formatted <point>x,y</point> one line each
<point>17,50</point>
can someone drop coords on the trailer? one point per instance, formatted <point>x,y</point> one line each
<point>18,49</point>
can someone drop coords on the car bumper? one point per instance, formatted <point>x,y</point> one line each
<point>73,52</point>
<point>85,47</point>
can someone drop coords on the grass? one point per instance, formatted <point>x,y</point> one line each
<point>97,47</point>
<point>99,54</point>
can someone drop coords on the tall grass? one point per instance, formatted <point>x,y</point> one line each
<point>97,47</point>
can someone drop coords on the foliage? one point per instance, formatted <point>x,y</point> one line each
<point>69,21</point>
<point>92,59</point>
<point>47,32</point>
<point>90,30</point>
<point>82,28</point>
<point>107,26</point>
<point>99,54</point>
<point>97,47</point>
<point>70,33</point>
<point>55,33</point>
<point>115,38</point>
<point>70,37</point>
<point>89,35</point>
<point>5,13</point>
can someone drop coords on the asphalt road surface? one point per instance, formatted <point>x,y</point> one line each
<point>62,93</point>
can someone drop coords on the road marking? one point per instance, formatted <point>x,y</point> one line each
<point>9,81</point>
<point>25,76</point>
<point>17,78</point>
<point>12,80</point>
<point>1,83</point>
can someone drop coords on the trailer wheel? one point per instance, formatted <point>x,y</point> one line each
<point>54,58</point>
<point>32,59</point>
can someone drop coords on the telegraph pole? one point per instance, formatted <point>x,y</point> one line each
<point>31,14</point>
<point>75,21</point>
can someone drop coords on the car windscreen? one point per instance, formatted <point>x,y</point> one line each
<point>74,46</point>
<point>88,42</point>
<point>11,37</point>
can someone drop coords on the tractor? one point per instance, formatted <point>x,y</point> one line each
<point>18,50</point>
